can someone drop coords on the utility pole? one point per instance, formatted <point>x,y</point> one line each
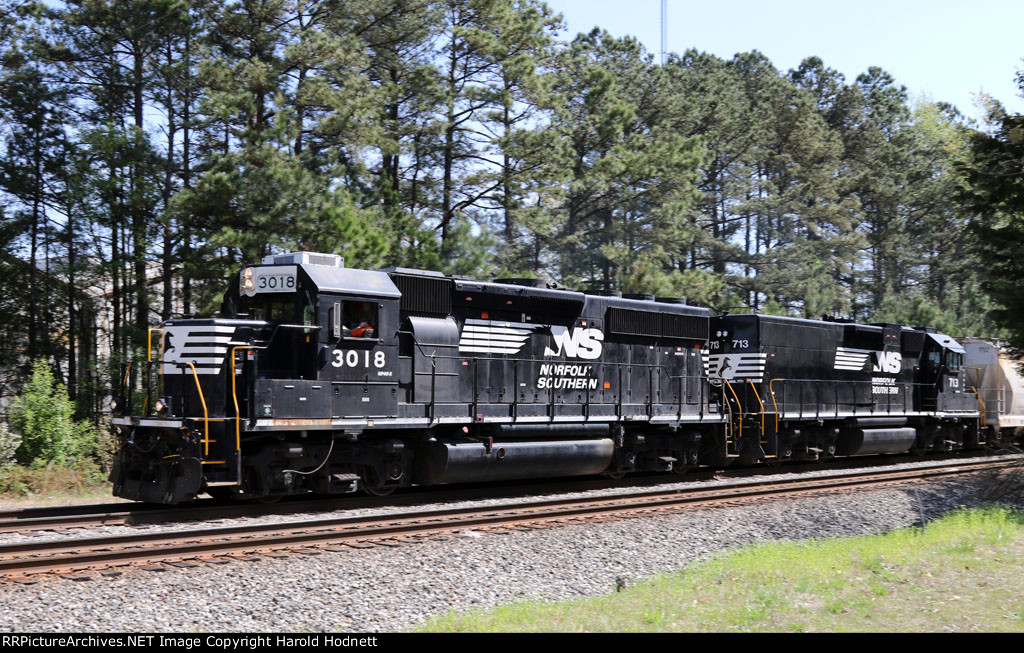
<point>664,29</point>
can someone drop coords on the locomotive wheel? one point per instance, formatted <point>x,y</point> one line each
<point>221,493</point>
<point>372,484</point>
<point>379,490</point>
<point>267,498</point>
<point>615,476</point>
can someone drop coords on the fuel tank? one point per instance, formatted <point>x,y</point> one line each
<point>463,461</point>
<point>855,441</point>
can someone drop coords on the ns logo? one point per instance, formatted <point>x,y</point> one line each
<point>578,343</point>
<point>887,362</point>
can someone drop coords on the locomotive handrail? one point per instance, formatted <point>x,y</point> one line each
<point>906,393</point>
<point>775,404</point>
<point>982,403</point>
<point>124,381</point>
<point>658,366</point>
<point>433,387</point>
<point>739,408</point>
<point>234,396</point>
<point>835,382</point>
<point>653,369</point>
<point>476,389</point>
<point>514,403</point>
<point>126,386</point>
<point>729,435</point>
<point>758,397</point>
<point>206,414</point>
<point>149,366</point>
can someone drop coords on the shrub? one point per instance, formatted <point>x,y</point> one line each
<point>9,442</point>
<point>44,418</point>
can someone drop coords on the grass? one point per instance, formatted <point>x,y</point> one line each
<point>25,487</point>
<point>964,572</point>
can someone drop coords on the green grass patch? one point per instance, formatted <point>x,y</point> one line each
<point>963,572</point>
<point>57,481</point>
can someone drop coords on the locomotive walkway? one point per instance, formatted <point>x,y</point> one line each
<point>83,558</point>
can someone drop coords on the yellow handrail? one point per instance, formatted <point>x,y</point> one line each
<point>206,414</point>
<point>149,343</point>
<point>739,408</point>
<point>982,403</point>
<point>234,397</point>
<point>758,397</point>
<point>775,404</point>
<point>149,359</point>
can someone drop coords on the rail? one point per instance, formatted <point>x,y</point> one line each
<point>149,367</point>
<point>981,403</point>
<point>234,395</point>
<point>759,403</point>
<point>87,555</point>
<point>655,372</point>
<point>692,397</point>
<point>680,381</point>
<point>817,398</point>
<point>775,405</point>
<point>739,407</point>
<point>206,412</point>
<point>993,398</point>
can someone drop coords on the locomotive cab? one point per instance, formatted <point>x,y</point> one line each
<point>301,345</point>
<point>941,377</point>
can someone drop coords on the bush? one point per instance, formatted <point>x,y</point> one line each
<point>44,418</point>
<point>9,442</point>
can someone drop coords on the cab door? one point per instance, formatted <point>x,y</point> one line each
<point>359,356</point>
<point>928,382</point>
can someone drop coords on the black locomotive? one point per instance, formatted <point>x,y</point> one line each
<point>325,379</point>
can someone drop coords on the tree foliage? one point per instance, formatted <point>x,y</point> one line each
<point>996,191</point>
<point>150,146</point>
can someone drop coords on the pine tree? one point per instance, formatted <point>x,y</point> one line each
<point>628,176</point>
<point>996,193</point>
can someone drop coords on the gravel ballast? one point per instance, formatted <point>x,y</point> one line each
<point>393,588</point>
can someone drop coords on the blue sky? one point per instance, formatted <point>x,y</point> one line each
<point>943,50</point>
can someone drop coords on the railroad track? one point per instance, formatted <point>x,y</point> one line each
<point>57,518</point>
<point>80,557</point>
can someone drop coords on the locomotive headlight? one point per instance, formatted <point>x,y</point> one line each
<point>117,405</point>
<point>247,283</point>
<point>160,406</point>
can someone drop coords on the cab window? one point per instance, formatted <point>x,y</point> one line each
<point>273,308</point>
<point>355,319</point>
<point>308,311</point>
<point>954,361</point>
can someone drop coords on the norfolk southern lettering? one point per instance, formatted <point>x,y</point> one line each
<point>566,377</point>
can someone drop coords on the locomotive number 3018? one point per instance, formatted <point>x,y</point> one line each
<point>353,358</point>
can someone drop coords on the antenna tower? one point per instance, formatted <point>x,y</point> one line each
<point>664,29</point>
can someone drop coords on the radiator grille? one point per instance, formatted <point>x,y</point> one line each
<point>424,295</point>
<point>631,322</point>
